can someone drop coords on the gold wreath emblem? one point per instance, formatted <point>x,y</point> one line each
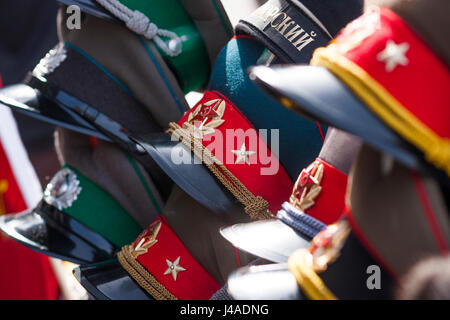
<point>212,110</point>
<point>326,246</point>
<point>307,187</point>
<point>148,241</point>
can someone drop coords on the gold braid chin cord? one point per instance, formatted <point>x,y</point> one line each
<point>255,206</point>
<point>142,276</point>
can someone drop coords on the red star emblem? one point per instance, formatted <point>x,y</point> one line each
<point>324,239</point>
<point>307,187</point>
<point>208,112</point>
<point>306,178</point>
<point>326,246</point>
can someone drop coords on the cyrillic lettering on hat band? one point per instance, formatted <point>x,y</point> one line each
<point>286,29</point>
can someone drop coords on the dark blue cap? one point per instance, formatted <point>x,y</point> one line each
<point>299,139</point>
<point>334,14</point>
<point>293,29</point>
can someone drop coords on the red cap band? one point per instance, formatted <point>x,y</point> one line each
<point>169,269</point>
<point>320,192</point>
<point>233,140</point>
<point>398,77</point>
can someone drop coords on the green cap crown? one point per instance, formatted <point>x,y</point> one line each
<point>167,23</point>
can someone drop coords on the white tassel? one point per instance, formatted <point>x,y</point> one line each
<point>139,23</point>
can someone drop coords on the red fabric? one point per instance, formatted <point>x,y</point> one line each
<point>24,274</point>
<point>320,131</point>
<point>93,141</point>
<point>276,187</point>
<point>430,88</point>
<point>193,284</point>
<point>330,202</point>
<point>12,198</point>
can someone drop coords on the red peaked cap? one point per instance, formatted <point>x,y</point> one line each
<point>327,204</point>
<point>216,116</point>
<point>398,77</point>
<point>165,266</point>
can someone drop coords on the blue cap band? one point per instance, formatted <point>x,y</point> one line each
<point>300,221</point>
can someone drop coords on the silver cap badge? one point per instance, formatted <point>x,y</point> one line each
<point>63,189</point>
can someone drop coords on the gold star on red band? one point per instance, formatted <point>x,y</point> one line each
<point>174,268</point>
